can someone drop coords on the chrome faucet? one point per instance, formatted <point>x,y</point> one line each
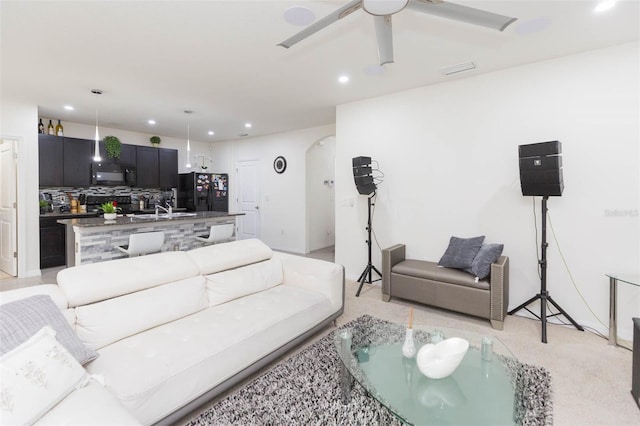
<point>166,209</point>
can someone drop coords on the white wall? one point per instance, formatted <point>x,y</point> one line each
<point>282,207</point>
<point>320,194</point>
<point>19,119</point>
<point>449,153</point>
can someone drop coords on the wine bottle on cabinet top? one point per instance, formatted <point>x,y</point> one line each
<point>40,126</point>
<point>50,130</point>
<point>59,129</point>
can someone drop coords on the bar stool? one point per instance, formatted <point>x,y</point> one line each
<point>218,233</point>
<point>143,243</point>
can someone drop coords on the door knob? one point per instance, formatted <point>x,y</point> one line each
<point>257,207</point>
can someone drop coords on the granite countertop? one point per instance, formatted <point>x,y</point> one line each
<point>87,222</point>
<point>66,215</point>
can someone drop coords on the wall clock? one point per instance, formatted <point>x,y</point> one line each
<point>280,164</point>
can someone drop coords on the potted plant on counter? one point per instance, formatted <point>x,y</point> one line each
<point>113,146</point>
<point>155,140</point>
<point>44,207</point>
<point>110,211</point>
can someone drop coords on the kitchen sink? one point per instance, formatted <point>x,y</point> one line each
<point>163,215</point>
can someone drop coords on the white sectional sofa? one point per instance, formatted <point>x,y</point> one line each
<point>175,329</point>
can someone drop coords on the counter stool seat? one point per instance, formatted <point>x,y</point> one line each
<point>143,243</point>
<point>218,234</point>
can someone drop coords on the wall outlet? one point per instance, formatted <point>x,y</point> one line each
<point>176,247</point>
<point>62,198</point>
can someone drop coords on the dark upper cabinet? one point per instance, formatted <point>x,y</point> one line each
<point>77,159</point>
<point>127,155</point>
<point>168,168</point>
<point>50,154</point>
<point>147,167</point>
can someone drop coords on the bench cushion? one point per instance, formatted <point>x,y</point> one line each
<point>431,271</point>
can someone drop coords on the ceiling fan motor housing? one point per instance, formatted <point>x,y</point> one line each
<point>383,7</point>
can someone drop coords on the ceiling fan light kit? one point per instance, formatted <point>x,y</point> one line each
<point>382,10</point>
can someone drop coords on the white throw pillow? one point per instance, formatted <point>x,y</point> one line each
<point>35,376</point>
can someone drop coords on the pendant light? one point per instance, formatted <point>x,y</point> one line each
<point>188,165</point>
<point>96,151</point>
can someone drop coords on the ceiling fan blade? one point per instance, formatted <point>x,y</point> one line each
<point>345,10</point>
<point>385,38</point>
<point>466,14</point>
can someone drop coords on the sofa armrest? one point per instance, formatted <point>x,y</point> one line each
<point>390,257</point>
<point>499,291</point>
<point>315,275</point>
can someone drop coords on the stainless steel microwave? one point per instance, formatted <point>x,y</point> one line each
<point>113,175</point>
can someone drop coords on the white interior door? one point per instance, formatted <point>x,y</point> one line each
<point>248,199</point>
<point>8,207</point>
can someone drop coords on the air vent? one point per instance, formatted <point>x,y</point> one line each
<point>456,69</point>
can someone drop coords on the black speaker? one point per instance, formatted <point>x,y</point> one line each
<point>541,169</point>
<point>362,175</point>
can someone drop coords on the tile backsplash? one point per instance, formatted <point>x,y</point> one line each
<point>59,195</point>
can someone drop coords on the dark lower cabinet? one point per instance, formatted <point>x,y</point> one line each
<point>52,243</point>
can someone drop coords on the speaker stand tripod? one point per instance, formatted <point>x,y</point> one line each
<point>543,296</point>
<point>369,269</point>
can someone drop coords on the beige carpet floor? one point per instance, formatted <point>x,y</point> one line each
<point>591,380</point>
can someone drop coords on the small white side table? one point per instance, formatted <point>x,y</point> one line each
<point>632,279</point>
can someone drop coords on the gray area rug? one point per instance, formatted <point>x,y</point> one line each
<point>304,390</point>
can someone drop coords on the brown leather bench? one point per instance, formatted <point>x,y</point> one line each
<point>424,282</point>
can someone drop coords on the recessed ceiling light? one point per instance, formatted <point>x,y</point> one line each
<point>605,5</point>
<point>298,15</point>
<point>532,26</point>
<point>69,108</point>
<point>247,125</point>
<point>344,79</point>
<point>210,132</point>
<point>152,122</point>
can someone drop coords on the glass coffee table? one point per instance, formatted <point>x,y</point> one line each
<point>479,392</point>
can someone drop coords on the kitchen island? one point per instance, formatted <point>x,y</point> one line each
<point>91,240</point>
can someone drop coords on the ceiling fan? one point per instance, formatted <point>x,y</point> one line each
<point>383,9</point>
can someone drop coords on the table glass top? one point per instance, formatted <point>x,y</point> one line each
<point>479,392</point>
<point>633,279</point>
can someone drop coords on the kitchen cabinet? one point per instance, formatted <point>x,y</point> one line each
<point>52,243</point>
<point>50,154</point>
<point>77,160</point>
<point>168,168</point>
<point>147,167</point>
<point>127,155</point>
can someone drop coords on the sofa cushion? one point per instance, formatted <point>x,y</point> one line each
<point>102,323</point>
<point>431,271</point>
<point>461,252</point>
<point>36,376</point>
<point>21,319</point>
<point>229,285</point>
<point>84,284</point>
<point>170,365</point>
<point>91,405</point>
<point>488,254</point>
<point>220,257</point>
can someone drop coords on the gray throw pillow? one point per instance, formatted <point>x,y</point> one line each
<point>23,318</point>
<point>461,252</point>
<point>488,254</point>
